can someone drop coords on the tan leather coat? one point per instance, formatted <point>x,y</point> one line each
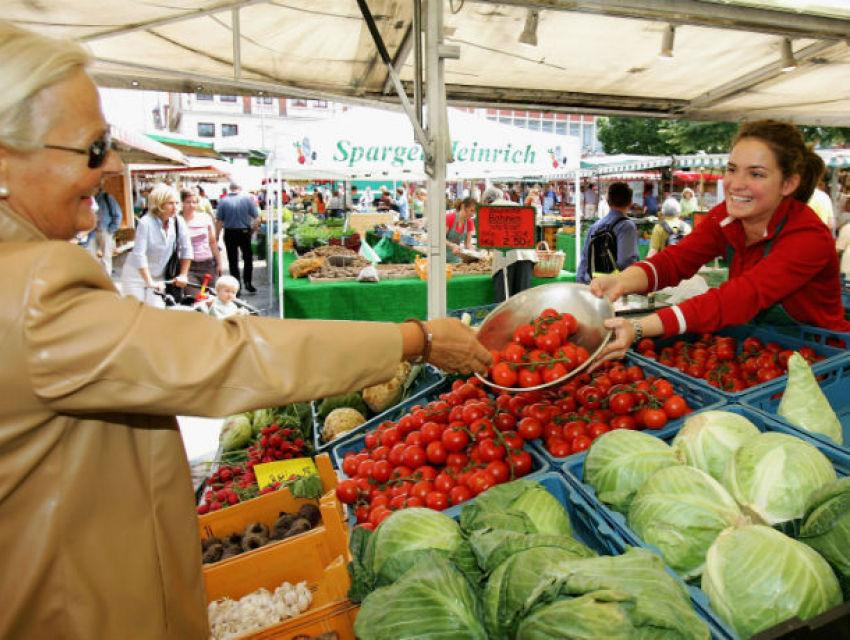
<point>98,532</point>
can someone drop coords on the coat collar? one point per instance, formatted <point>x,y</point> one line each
<point>14,228</point>
<point>734,229</point>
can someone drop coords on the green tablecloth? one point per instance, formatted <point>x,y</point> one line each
<point>388,300</point>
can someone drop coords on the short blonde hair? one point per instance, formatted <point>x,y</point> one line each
<point>228,281</point>
<point>159,195</point>
<point>687,191</point>
<point>31,63</point>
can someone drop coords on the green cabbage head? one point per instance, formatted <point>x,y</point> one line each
<point>826,528</point>
<point>708,439</point>
<point>773,474</point>
<point>620,461</point>
<point>681,511</point>
<point>804,405</point>
<point>432,600</point>
<point>756,577</point>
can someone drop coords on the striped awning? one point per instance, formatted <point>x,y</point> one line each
<point>702,160</point>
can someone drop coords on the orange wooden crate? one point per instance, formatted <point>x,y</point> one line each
<point>329,583</point>
<point>330,537</point>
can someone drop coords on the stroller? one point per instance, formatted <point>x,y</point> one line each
<point>195,302</point>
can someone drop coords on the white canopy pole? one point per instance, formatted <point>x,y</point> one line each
<point>435,166</point>
<point>280,252</point>
<point>579,246</point>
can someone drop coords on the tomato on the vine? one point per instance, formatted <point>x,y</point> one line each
<point>675,406</point>
<point>530,428</point>
<point>654,418</point>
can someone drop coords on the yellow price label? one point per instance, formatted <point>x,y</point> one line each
<point>283,470</point>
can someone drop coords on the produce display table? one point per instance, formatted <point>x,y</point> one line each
<point>388,300</point>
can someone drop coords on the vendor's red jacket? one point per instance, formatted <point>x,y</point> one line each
<point>800,271</point>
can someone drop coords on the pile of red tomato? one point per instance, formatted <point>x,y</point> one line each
<point>540,352</point>
<point>716,360</point>
<point>451,449</point>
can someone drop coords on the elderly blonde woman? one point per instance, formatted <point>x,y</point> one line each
<point>157,235</point>
<point>688,203</point>
<point>99,529</point>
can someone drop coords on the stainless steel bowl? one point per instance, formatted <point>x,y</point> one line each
<point>564,297</point>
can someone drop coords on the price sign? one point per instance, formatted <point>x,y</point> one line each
<point>283,470</point>
<point>505,227</point>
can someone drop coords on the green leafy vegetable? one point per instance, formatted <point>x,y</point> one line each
<point>405,537</point>
<point>681,510</point>
<point>708,439</point>
<point>804,405</point>
<point>262,418</point>
<point>431,600</point>
<point>826,527</point>
<point>620,461</point>
<point>773,474</point>
<point>756,577</point>
<point>522,505</point>
<point>493,546</point>
<point>236,433</point>
<point>635,585</point>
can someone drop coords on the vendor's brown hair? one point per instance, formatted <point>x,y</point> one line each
<point>792,153</point>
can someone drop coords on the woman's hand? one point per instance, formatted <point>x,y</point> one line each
<point>607,287</point>
<point>456,249</point>
<point>455,347</point>
<point>180,281</point>
<point>624,336</point>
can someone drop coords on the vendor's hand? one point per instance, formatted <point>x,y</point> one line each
<point>455,347</point>
<point>624,336</point>
<point>180,281</point>
<point>159,285</point>
<point>607,287</point>
<point>456,249</point>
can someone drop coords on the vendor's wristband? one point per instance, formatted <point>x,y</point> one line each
<point>426,350</point>
<point>638,330</point>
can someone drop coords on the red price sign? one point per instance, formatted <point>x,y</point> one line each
<point>505,227</point>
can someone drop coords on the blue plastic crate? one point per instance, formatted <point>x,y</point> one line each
<point>790,337</point>
<point>429,381</point>
<point>698,398</point>
<point>478,313</point>
<point>835,386</point>
<point>574,473</point>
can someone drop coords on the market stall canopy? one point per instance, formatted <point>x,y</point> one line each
<point>727,58</point>
<point>363,144</point>
<point>134,147</point>
<point>188,146</point>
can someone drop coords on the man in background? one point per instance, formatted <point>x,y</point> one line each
<point>618,224</point>
<point>237,214</point>
<point>591,201</point>
<point>109,216</point>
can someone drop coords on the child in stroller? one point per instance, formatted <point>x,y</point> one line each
<point>224,304</point>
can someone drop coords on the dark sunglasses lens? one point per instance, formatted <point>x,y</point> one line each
<point>98,151</point>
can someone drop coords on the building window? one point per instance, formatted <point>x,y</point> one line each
<point>320,104</point>
<point>266,100</point>
<point>587,136</point>
<point>561,128</point>
<point>547,126</point>
<point>519,123</point>
<point>204,96</point>
<point>229,130</point>
<point>299,103</point>
<point>534,124</point>
<point>206,130</point>
<point>574,129</point>
<point>228,98</point>
<point>505,120</point>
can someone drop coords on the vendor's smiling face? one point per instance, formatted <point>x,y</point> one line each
<point>52,188</point>
<point>754,183</point>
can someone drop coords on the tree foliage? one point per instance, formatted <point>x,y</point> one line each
<point>649,136</point>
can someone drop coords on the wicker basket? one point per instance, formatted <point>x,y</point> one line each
<point>549,263</point>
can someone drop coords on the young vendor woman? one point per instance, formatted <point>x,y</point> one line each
<point>459,229</point>
<point>783,268</point>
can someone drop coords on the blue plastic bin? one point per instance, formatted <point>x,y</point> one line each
<point>429,381</point>
<point>836,388</point>
<point>574,473</point>
<point>478,313</point>
<point>698,398</point>
<point>790,337</point>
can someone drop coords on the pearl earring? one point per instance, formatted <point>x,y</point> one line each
<point>4,192</point>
